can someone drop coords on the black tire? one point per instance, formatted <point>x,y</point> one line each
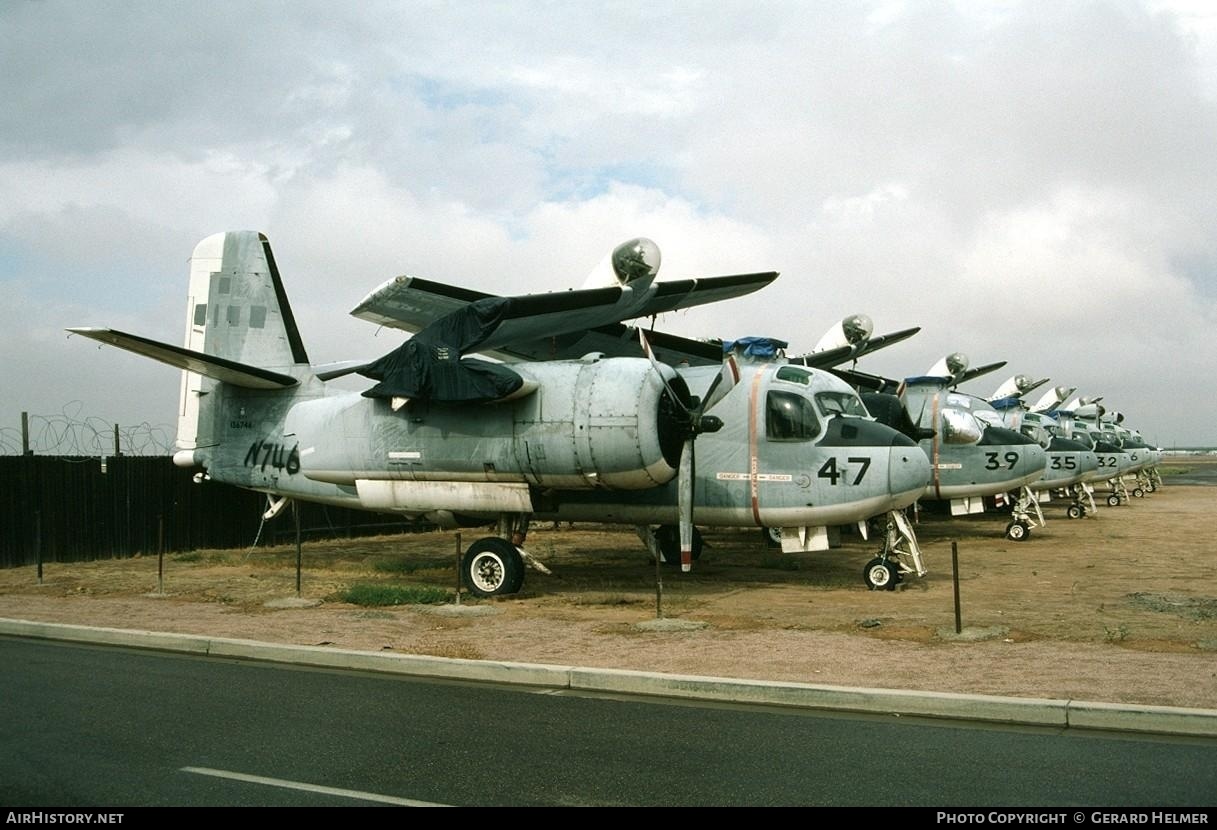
<point>1113,500</point>
<point>1139,493</point>
<point>1018,531</point>
<point>772,536</point>
<point>880,575</point>
<point>492,567</point>
<point>668,539</point>
<point>1074,511</point>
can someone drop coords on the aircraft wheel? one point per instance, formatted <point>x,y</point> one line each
<point>668,537</point>
<point>1151,487</point>
<point>1113,500</point>
<point>1139,493</point>
<point>772,536</point>
<point>880,575</point>
<point>1018,531</point>
<point>1074,511</point>
<point>493,567</point>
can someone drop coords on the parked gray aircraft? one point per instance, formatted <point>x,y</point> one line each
<point>973,455</point>
<point>1121,453</point>
<point>465,441</point>
<point>1070,463</point>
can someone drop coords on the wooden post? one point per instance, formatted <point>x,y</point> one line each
<point>117,449</point>
<point>25,433</point>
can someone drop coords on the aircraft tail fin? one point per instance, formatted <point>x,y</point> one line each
<point>239,331</point>
<point>238,317</point>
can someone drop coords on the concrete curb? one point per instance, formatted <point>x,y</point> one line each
<point>1064,714</point>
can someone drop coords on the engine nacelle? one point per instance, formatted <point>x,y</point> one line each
<point>590,423</point>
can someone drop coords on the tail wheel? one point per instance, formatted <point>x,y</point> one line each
<point>880,575</point>
<point>1074,511</point>
<point>1139,493</point>
<point>493,567</point>
<point>1113,500</point>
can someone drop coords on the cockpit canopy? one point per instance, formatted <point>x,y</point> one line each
<point>800,400</point>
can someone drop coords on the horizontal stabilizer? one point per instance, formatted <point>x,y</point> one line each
<point>227,371</point>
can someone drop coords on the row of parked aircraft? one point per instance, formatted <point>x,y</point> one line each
<point>549,407</point>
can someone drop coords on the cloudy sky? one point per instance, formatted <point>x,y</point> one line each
<point>1033,182</point>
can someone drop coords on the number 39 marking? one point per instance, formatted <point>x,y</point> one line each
<point>1011,458</point>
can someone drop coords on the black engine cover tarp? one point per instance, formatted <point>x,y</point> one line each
<point>429,365</point>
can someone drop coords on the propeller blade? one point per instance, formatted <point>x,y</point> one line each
<point>646,349</point>
<point>685,505</point>
<point>726,380</point>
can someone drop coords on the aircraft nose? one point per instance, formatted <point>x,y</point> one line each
<point>908,465</point>
<point>908,470</point>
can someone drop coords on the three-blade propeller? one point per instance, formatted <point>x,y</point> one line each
<point>696,420</point>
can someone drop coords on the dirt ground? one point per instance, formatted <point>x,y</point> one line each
<point>1119,607</point>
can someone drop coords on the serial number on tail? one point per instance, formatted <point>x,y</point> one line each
<point>263,454</point>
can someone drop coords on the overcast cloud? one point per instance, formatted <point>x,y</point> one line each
<point>1027,181</point>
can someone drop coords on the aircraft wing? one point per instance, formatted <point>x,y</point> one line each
<point>835,357</point>
<point>535,322</point>
<point>615,340</point>
<point>864,381</point>
<point>981,370</point>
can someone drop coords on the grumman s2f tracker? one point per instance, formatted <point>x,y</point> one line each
<point>464,441</point>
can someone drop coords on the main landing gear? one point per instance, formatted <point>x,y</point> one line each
<point>1018,530</point>
<point>494,565</point>
<point>1021,521</point>
<point>900,555</point>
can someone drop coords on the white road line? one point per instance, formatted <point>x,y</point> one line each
<point>312,788</point>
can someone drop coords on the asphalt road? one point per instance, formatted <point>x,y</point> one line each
<point>87,726</point>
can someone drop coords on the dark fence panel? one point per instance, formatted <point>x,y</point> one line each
<point>80,509</point>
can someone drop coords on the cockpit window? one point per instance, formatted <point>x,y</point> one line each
<point>789,417</point>
<point>989,417</point>
<point>794,375</point>
<point>840,403</point>
<point>959,427</point>
<point>1037,434</point>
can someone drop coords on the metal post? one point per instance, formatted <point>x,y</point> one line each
<point>458,568</point>
<point>38,541</point>
<point>658,586</point>
<point>160,553</point>
<point>117,449</point>
<point>955,579</point>
<point>25,433</point>
<point>299,555</point>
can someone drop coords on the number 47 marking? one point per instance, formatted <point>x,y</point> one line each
<point>829,469</point>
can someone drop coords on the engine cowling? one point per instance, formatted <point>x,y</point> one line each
<point>590,423</point>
